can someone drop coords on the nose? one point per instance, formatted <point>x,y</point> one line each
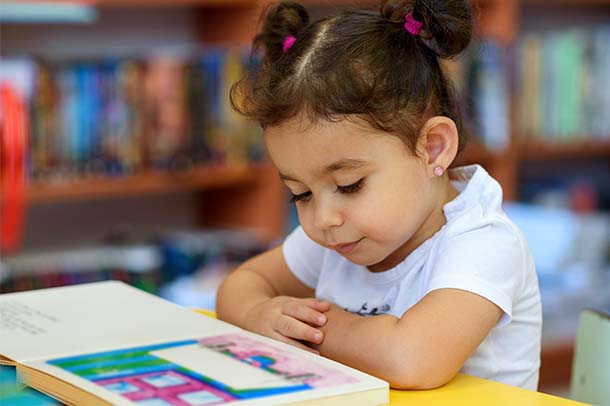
<point>326,215</point>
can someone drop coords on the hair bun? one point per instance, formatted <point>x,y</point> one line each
<point>447,24</point>
<point>395,10</point>
<point>279,21</point>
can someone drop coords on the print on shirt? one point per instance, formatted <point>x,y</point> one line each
<point>364,310</point>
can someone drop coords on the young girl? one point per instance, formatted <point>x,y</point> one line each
<point>400,267</point>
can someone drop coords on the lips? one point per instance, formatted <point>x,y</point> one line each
<point>346,248</point>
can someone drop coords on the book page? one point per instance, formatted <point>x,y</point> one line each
<point>93,317</point>
<point>220,369</point>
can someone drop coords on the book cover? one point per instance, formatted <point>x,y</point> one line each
<point>491,95</point>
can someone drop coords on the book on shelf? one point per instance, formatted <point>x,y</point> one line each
<point>479,78</point>
<point>137,265</point>
<point>563,85</point>
<point>113,117</point>
<point>108,343</point>
<point>489,87</point>
<point>174,254</point>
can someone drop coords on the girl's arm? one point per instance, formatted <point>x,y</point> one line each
<point>263,296</point>
<point>423,349</point>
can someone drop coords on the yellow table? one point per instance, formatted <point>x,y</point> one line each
<point>471,391</point>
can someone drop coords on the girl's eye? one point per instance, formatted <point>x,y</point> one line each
<point>300,197</point>
<point>354,187</point>
<point>306,196</point>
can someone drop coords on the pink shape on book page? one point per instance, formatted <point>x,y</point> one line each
<point>269,357</point>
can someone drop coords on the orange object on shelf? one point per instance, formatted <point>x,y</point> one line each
<point>14,133</point>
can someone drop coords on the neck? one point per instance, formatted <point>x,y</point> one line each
<point>432,224</point>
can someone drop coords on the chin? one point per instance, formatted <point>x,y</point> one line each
<point>358,260</point>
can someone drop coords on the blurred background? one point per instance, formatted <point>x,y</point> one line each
<point>121,159</point>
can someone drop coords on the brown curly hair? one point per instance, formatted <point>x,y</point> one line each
<point>357,64</point>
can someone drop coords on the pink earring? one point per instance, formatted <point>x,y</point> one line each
<point>438,170</point>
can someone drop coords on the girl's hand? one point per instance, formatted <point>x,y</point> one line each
<point>289,319</point>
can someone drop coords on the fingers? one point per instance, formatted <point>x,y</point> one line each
<point>316,304</point>
<point>292,328</point>
<point>320,305</point>
<point>306,310</point>
<point>291,320</point>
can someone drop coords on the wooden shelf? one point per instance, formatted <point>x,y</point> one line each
<point>229,3</point>
<point>171,3</point>
<point>148,182</point>
<point>567,2</point>
<point>474,152</point>
<point>224,3</point>
<point>539,151</point>
<point>556,364</point>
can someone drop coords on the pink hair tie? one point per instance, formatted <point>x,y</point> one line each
<point>412,25</point>
<point>288,43</point>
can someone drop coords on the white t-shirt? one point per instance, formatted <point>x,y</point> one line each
<point>478,250</point>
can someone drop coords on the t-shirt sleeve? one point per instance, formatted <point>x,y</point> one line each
<point>303,256</point>
<point>489,262</point>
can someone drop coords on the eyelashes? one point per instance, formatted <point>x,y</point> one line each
<point>306,196</point>
<point>354,187</point>
<point>300,197</point>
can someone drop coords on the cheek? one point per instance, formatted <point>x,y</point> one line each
<point>390,215</point>
<point>306,221</point>
<point>303,212</point>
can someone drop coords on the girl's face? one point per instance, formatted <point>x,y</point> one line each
<point>357,190</point>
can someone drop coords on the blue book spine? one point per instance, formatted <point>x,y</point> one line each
<point>68,136</point>
<point>492,98</point>
<point>82,111</point>
<point>212,64</point>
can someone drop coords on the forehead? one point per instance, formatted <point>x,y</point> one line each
<point>295,143</point>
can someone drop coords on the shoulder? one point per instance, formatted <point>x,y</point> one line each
<point>490,241</point>
<point>476,219</point>
<point>481,250</point>
<point>491,261</point>
<point>479,237</point>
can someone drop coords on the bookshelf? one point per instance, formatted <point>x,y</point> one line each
<point>262,203</point>
<point>547,152</point>
<point>234,22</point>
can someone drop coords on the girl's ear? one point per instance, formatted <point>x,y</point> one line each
<point>438,144</point>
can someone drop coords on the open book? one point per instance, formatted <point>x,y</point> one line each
<point>108,343</point>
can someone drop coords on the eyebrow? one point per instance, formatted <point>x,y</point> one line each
<point>335,166</point>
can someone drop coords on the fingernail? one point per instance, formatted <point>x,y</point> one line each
<point>321,320</point>
<point>317,336</point>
